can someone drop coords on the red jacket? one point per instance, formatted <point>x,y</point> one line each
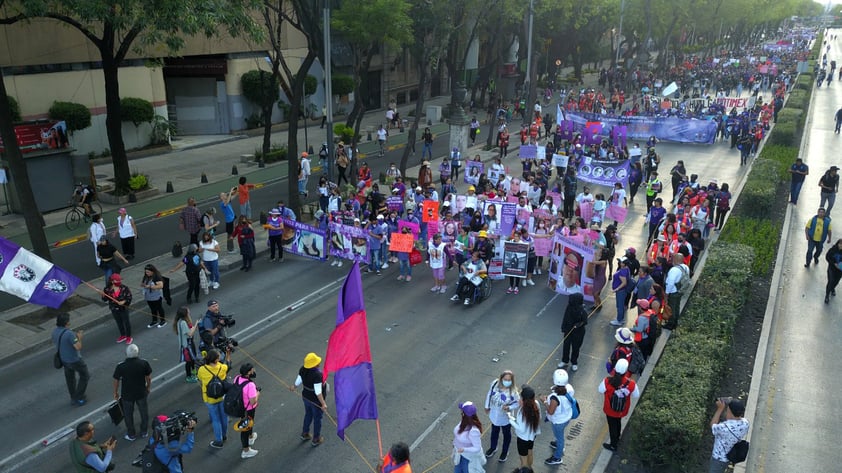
<point>389,466</point>
<point>628,384</point>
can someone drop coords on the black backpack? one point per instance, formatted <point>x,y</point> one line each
<point>216,387</point>
<point>637,362</point>
<point>177,249</point>
<point>233,404</point>
<point>738,453</point>
<point>149,463</point>
<point>618,403</point>
<point>654,327</point>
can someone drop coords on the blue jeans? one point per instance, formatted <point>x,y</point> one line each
<point>830,199</point>
<point>462,467</point>
<point>245,209</point>
<point>814,249</point>
<point>794,190</point>
<point>219,420</point>
<point>376,262</point>
<point>558,431</point>
<point>213,267</point>
<point>406,269</point>
<point>312,413</point>
<point>621,304</point>
<point>428,149</point>
<point>302,185</point>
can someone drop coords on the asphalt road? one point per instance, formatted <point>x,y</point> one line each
<point>428,356</point>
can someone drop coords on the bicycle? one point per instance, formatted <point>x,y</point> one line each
<point>78,213</point>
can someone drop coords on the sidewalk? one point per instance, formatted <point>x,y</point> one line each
<point>24,330</point>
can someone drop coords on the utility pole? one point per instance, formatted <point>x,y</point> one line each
<point>620,31</point>
<point>527,82</point>
<point>328,90</point>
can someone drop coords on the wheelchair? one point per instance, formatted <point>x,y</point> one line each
<point>476,294</point>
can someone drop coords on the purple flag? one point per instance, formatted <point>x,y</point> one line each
<point>32,278</point>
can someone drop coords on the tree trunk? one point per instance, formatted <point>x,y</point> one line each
<point>423,86</point>
<point>113,121</point>
<point>17,168</point>
<point>267,129</point>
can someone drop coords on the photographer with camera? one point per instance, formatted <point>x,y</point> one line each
<point>212,328</point>
<point>86,454</point>
<point>727,433</point>
<point>172,438</point>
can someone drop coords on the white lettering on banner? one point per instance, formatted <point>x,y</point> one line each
<point>731,102</point>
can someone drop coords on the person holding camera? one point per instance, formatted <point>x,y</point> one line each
<point>86,454</point>
<point>251,393</point>
<point>213,324</point>
<point>168,444</point>
<point>726,433</point>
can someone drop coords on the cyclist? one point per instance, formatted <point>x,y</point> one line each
<point>83,195</point>
<point>381,139</point>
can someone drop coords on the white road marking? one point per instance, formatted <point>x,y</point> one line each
<point>428,431</point>
<point>547,305</point>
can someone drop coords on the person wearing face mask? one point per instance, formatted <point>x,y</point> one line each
<point>251,395</point>
<point>393,171</point>
<point>549,205</point>
<point>584,203</point>
<point>502,396</point>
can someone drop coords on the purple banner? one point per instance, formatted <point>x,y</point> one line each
<point>508,214</point>
<point>349,242</point>
<point>604,173</point>
<point>682,130</point>
<point>528,152</point>
<point>395,204</point>
<point>304,240</point>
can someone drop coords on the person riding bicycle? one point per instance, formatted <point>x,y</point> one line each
<point>83,195</point>
<point>474,272</point>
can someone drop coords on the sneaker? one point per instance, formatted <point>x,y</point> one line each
<point>121,339</point>
<point>530,282</point>
<point>216,285</point>
<point>252,438</point>
<point>400,278</point>
<point>144,435</point>
<point>553,461</point>
<point>305,436</point>
<point>516,291</point>
<point>79,402</point>
<point>523,283</point>
<point>385,266</point>
<point>616,323</point>
<point>333,263</point>
<point>162,324</point>
<point>575,368</point>
<point>503,457</point>
<point>191,379</point>
<point>129,340</point>
<point>408,278</point>
<point>489,452</point>
<point>467,301</point>
<point>553,444</point>
<point>561,365</point>
<point>130,438</point>
<point>826,299</point>
<point>340,264</point>
<point>435,288</point>
<point>443,290</point>
<point>509,290</point>
<point>378,273</point>
<point>215,444</point>
<point>272,259</point>
<point>318,441</point>
<point>248,453</point>
<point>455,298</point>
<point>608,446</point>
<point>539,270</point>
<point>154,323</point>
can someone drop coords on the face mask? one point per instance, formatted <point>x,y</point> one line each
<point>507,383</point>
<point>252,375</point>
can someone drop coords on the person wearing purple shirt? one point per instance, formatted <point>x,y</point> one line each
<point>656,214</point>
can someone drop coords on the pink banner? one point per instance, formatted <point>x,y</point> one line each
<point>542,246</point>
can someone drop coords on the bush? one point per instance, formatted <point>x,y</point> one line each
<point>758,195</point>
<point>162,130</point>
<point>260,88</point>
<point>760,234</point>
<point>785,134</point>
<point>670,420</point>
<point>342,84</point>
<point>136,110</point>
<point>783,156</point>
<point>345,133</point>
<point>138,181</point>
<point>14,109</point>
<point>276,153</point>
<point>791,115</point>
<point>75,115</point>
<point>798,98</point>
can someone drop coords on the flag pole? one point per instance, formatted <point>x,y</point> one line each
<point>379,440</point>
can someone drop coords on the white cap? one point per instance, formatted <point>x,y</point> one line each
<point>622,366</point>
<point>560,378</point>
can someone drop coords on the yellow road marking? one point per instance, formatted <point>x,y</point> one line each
<point>69,241</point>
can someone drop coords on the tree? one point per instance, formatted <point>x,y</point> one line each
<point>17,168</point>
<point>136,110</point>
<point>75,115</point>
<point>117,27</point>
<point>261,88</point>
<point>393,30</point>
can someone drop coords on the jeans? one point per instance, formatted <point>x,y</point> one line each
<point>405,268</point>
<point>302,186</point>
<point>245,209</point>
<point>462,467</point>
<point>507,438</point>
<point>558,431</point>
<point>128,414</point>
<point>312,413</point>
<point>814,249</point>
<point>830,198</point>
<point>428,149</point>
<point>621,305</point>
<point>213,267</point>
<point>717,466</point>
<point>794,190</point>
<point>376,263</point>
<point>124,325</point>
<point>76,389</point>
<point>219,421</point>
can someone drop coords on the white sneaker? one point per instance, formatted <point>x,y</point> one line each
<point>216,285</point>
<point>340,264</point>
<point>248,453</point>
<point>252,438</point>
<point>333,263</point>
<point>530,282</point>
<point>443,290</point>
<point>616,323</point>
<point>523,283</point>
<point>435,288</point>
<point>575,367</point>
<point>467,301</point>
<point>385,265</point>
<point>455,298</point>
<point>539,270</point>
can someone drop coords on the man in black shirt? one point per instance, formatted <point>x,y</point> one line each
<point>310,379</point>
<point>829,184</point>
<point>136,377</point>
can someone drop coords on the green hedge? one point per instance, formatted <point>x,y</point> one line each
<point>798,99</point>
<point>783,156</point>
<point>791,115</point>
<point>670,420</point>
<point>758,195</point>
<point>75,115</point>
<point>760,234</point>
<point>14,109</point>
<point>136,110</point>
<point>785,134</point>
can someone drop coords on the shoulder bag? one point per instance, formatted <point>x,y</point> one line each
<point>57,363</point>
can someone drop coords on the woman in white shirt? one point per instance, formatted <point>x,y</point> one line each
<point>95,233</point>
<point>127,231</point>
<point>559,413</point>
<point>209,248</point>
<point>527,424</point>
<point>467,442</point>
<point>502,396</point>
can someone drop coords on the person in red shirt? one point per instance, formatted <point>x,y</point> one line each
<point>243,197</point>
<point>617,407</point>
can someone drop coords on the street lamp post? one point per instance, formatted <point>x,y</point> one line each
<point>328,90</point>
<point>527,83</point>
<point>620,31</point>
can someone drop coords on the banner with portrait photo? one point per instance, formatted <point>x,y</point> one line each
<point>429,211</point>
<point>413,227</point>
<point>504,213</point>
<point>560,160</point>
<point>494,176</point>
<point>304,240</point>
<point>472,171</point>
<point>568,261</point>
<point>604,173</point>
<point>349,242</point>
<point>515,255</point>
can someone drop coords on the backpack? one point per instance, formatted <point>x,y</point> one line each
<point>618,403</point>
<point>654,327</point>
<point>149,463</point>
<point>724,200</point>
<point>575,405</point>
<point>177,249</point>
<point>233,404</point>
<point>91,192</point>
<point>738,452</point>
<point>191,263</point>
<point>217,387</point>
<point>637,362</point>
<point>683,284</point>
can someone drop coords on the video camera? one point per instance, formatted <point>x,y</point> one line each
<point>227,320</point>
<point>223,344</point>
<point>175,424</point>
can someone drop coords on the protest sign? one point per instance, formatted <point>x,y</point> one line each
<point>515,259</point>
<point>401,242</point>
<point>349,242</point>
<point>304,240</point>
